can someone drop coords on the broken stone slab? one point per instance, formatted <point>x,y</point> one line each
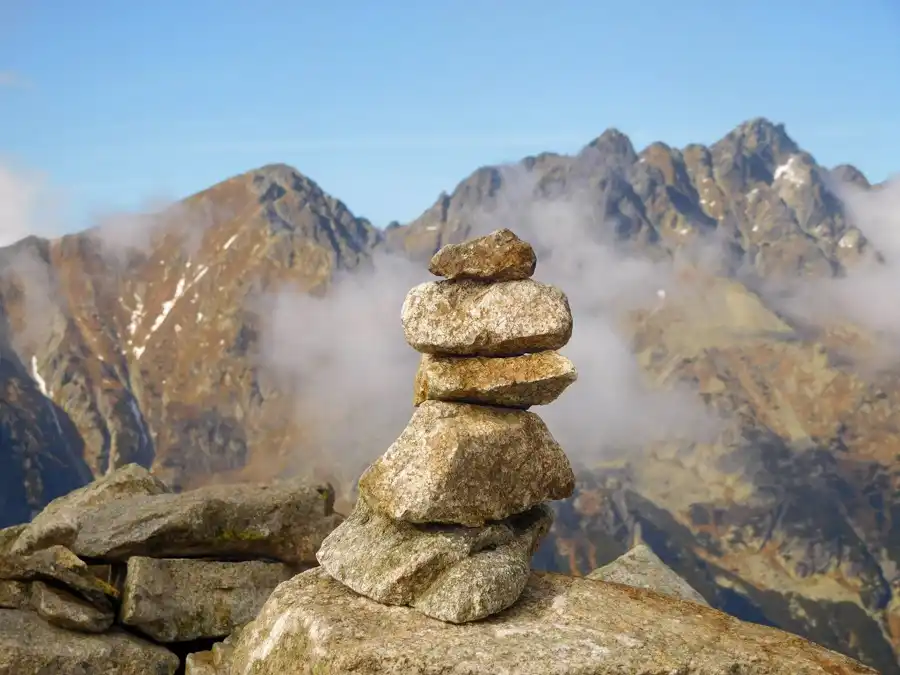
<point>284,521</point>
<point>498,256</point>
<point>31,646</point>
<point>59,522</point>
<point>213,597</point>
<point>14,594</point>
<point>474,318</point>
<point>65,610</point>
<point>451,573</point>
<point>467,464</point>
<point>57,565</point>
<point>641,567</point>
<point>561,625</point>
<point>512,382</point>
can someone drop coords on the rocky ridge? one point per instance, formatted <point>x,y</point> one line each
<point>123,577</point>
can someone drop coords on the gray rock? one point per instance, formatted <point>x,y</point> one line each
<point>59,566</point>
<point>642,568</point>
<point>498,256</point>
<point>467,464</point>
<point>560,625</point>
<point>31,646</point>
<point>200,663</point>
<point>213,597</point>
<point>14,594</point>
<point>59,522</point>
<point>65,610</point>
<point>512,382</point>
<point>284,521</point>
<point>215,661</point>
<point>475,318</point>
<point>8,537</point>
<point>451,573</point>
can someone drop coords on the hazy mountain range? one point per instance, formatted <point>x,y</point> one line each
<point>737,406</point>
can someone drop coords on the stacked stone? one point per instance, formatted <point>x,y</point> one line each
<point>449,517</point>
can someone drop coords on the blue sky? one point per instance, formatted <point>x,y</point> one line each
<point>387,103</point>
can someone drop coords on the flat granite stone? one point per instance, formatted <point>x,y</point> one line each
<point>512,382</point>
<point>477,318</point>
<point>560,625</point>
<point>213,597</point>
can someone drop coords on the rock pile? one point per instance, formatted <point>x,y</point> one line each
<point>448,518</point>
<point>123,576</point>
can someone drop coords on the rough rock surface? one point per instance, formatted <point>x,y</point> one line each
<point>212,598</point>
<point>561,625</point>
<point>285,521</point>
<point>498,256</point>
<point>65,610</point>
<point>9,536</point>
<point>59,566</point>
<point>473,318</point>
<point>451,573</point>
<point>642,568</point>
<point>14,594</point>
<point>512,382</point>
<point>58,523</point>
<point>467,464</point>
<point>31,646</point>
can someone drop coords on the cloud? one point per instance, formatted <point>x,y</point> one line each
<point>24,202</point>
<point>866,295</point>
<point>346,356</point>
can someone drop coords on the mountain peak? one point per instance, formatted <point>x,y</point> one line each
<point>614,142</point>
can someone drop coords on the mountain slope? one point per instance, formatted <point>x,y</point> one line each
<point>147,342</point>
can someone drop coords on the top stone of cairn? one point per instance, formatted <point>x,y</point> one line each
<point>498,256</point>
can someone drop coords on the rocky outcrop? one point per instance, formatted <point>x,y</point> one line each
<point>642,568</point>
<point>115,614</point>
<point>449,517</point>
<point>559,625</point>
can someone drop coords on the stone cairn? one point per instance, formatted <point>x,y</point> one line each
<point>449,517</point>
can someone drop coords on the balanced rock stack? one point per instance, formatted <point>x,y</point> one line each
<point>449,517</point>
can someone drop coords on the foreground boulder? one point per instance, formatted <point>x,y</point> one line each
<point>31,646</point>
<point>284,521</point>
<point>498,256</point>
<point>560,625</point>
<point>474,318</point>
<point>59,522</point>
<point>641,567</point>
<point>467,464</point>
<point>212,599</point>
<point>512,382</point>
<point>450,573</point>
